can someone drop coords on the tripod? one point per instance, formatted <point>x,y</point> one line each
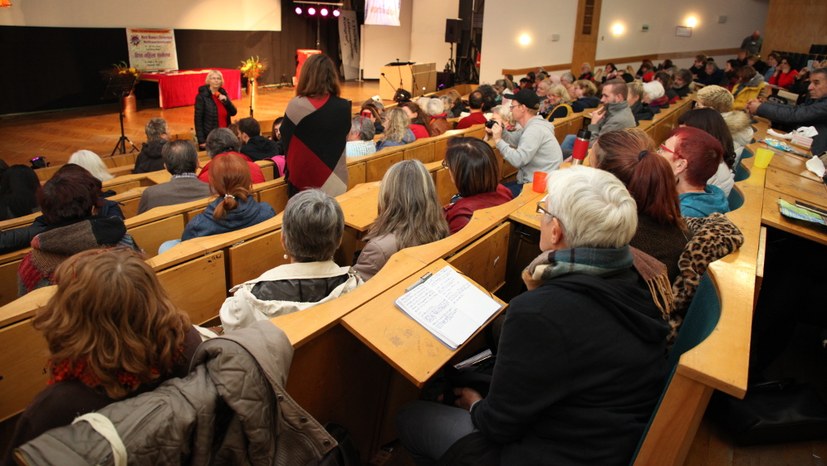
<point>121,144</point>
<point>451,65</point>
<point>118,87</point>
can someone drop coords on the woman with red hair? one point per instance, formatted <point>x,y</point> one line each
<point>694,156</point>
<point>630,156</point>
<point>234,208</point>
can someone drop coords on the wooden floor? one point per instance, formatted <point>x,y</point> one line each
<point>56,135</point>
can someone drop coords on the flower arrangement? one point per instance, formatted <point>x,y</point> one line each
<point>252,67</point>
<point>121,68</point>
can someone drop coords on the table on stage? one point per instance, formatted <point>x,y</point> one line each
<point>788,179</point>
<point>178,88</point>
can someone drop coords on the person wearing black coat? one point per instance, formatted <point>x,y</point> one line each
<point>209,115</point>
<point>149,160</point>
<point>253,144</point>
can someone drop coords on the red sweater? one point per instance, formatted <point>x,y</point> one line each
<point>784,80</point>
<point>475,118</point>
<point>459,213</point>
<point>255,171</point>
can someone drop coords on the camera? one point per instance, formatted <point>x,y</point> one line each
<point>490,123</point>
<point>39,162</point>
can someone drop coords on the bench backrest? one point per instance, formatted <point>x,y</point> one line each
<point>671,428</point>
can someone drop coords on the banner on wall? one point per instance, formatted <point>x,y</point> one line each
<point>349,44</point>
<point>152,49</point>
<point>382,12</point>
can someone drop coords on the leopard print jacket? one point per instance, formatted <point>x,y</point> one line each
<point>713,237</point>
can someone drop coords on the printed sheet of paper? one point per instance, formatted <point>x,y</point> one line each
<point>449,306</point>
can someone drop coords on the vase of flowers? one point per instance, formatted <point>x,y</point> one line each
<point>121,78</point>
<point>252,68</point>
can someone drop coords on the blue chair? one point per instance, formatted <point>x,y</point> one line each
<point>683,402</point>
<point>741,173</point>
<point>746,153</point>
<point>735,199</point>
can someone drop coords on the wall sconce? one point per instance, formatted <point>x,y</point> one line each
<point>617,29</point>
<point>691,21</point>
<point>524,39</point>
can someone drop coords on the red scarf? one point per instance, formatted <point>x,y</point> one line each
<point>222,111</point>
<point>80,370</point>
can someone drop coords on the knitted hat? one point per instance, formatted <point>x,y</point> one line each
<point>716,97</point>
<point>653,89</point>
<point>529,98</point>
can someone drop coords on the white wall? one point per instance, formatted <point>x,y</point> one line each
<point>384,44</point>
<point>743,17</point>
<point>241,15</point>
<point>428,31</point>
<point>506,20</point>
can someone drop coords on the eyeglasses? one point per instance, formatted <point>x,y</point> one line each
<point>542,210</point>
<point>663,149</point>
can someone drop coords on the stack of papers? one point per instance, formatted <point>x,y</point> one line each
<point>449,306</point>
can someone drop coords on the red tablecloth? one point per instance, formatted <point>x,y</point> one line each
<point>178,88</point>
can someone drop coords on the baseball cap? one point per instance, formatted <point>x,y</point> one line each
<point>529,98</point>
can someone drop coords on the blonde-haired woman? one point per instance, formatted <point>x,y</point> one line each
<point>213,107</point>
<point>409,215</point>
<point>397,130</point>
<point>100,353</point>
<point>92,163</point>
<point>560,102</point>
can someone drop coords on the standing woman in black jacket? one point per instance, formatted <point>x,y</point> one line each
<point>213,107</point>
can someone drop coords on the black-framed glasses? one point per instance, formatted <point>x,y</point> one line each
<point>543,210</point>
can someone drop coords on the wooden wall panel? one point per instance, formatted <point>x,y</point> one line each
<point>793,25</point>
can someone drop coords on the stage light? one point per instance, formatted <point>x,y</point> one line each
<point>298,10</point>
<point>311,11</point>
<point>323,11</point>
<point>336,13</point>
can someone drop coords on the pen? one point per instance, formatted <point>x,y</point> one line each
<point>811,208</point>
<point>419,282</point>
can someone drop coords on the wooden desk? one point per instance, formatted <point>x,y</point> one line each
<point>771,216</point>
<point>527,214</point>
<point>791,163</point>
<point>807,190</point>
<point>397,338</point>
<point>360,205</point>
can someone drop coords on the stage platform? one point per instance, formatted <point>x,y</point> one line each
<point>57,134</point>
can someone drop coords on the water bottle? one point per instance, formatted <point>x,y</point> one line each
<point>581,147</point>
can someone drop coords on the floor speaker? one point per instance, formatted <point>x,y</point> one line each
<point>452,30</point>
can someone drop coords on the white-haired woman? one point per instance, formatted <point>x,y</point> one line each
<point>438,119</point>
<point>92,163</point>
<point>213,107</point>
<point>311,232</point>
<point>655,95</point>
<point>588,319</point>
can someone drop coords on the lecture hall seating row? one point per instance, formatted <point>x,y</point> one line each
<point>211,264</point>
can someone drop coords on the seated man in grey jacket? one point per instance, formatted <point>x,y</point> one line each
<point>813,112</point>
<point>533,147</point>
<point>181,160</point>
<point>613,115</point>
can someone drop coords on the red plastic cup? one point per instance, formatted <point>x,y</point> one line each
<point>539,183</point>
